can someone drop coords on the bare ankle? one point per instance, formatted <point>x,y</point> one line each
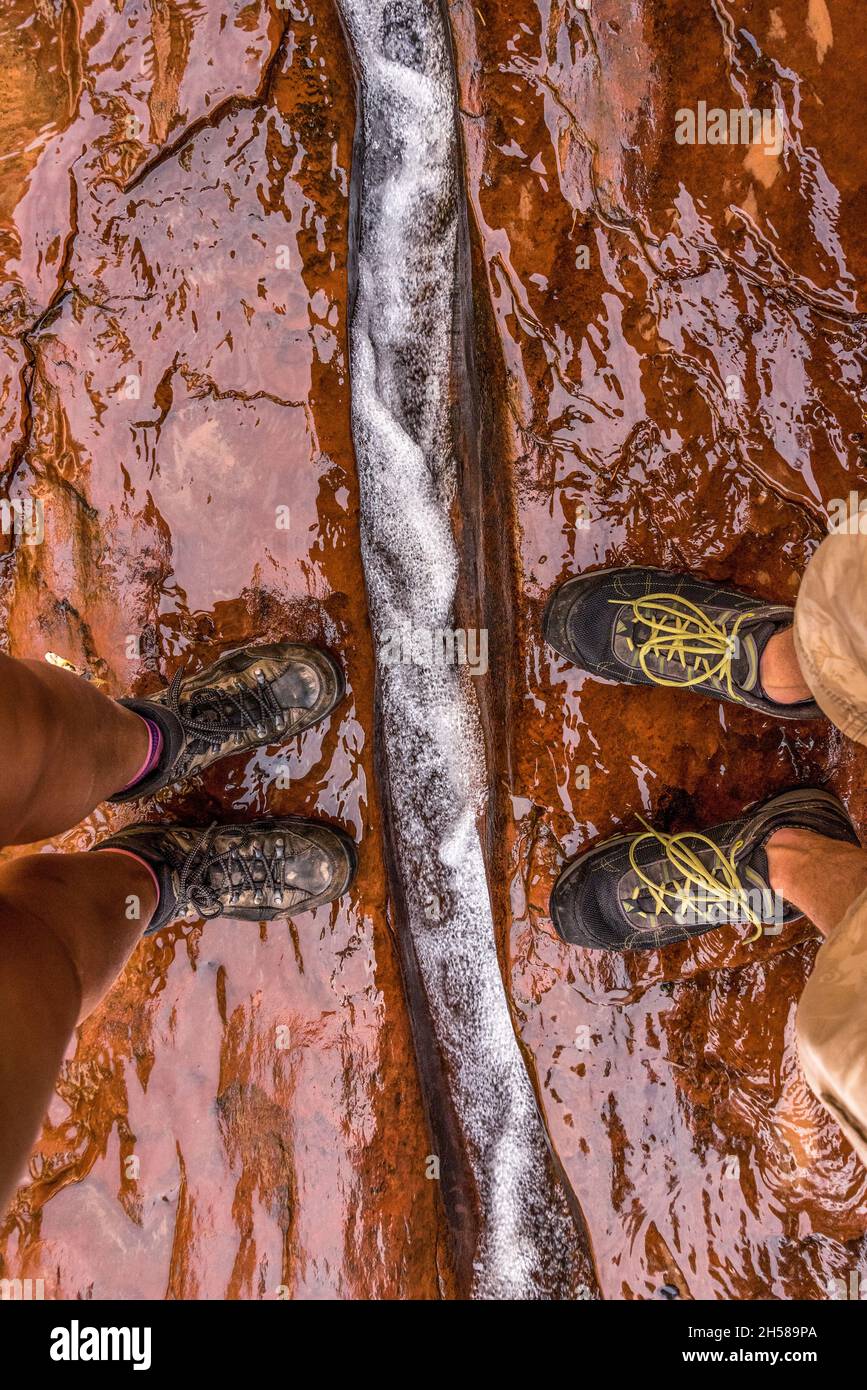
<point>790,852</point>
<point>781,676</point>
<point>792,837</point>
<point>821,876</point>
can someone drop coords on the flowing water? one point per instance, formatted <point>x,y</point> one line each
<point>403,330</point>
<point>572,342</point>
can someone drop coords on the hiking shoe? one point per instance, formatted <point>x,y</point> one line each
<point>640,892</point>
<point>255,872</point>
<point>648,627</point>
<point>245,699</point>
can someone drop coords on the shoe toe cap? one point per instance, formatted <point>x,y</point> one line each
<point>562,623</point>
<point>311,683</point>
<point>580,914</point>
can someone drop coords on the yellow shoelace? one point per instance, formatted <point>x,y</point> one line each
<point>728,893</point>
<point>685,631</point>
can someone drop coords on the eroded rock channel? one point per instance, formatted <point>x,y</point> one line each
<point>441,288</point>
<point>509,1213</point>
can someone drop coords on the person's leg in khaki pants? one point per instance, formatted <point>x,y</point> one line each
<point>825,654</point>
<point>643,626</point>
<point>830,646</point>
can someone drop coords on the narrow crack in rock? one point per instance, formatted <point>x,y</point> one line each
<point>402,335</point>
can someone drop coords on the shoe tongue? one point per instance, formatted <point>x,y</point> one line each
<point>217,879</point>
<point>755,859</point>
<point>758,862</point>
<point>751,641</point>
<point>206,707</point>
<point>208,711</point>
<point>746,665</point>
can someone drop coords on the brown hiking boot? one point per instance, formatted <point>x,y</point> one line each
<point>255,872</point>
<point>246,699</point>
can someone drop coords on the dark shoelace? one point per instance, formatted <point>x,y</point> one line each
<point>194,892</point>
<point>256,703</point>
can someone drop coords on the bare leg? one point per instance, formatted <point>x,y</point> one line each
<point>780,672</point>
<point>820,876</point>
<point>68,922</point>
<point>64,748</point>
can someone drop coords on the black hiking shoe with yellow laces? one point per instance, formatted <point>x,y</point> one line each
<point>245,699</point>
<point>255,872</point>
<point>640,892</point>
<point>648,627</point>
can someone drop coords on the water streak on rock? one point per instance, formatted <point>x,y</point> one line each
<point>404,322</point>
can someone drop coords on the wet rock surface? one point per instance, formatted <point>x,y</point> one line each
<point>671,341</point>
<point>667,368</point>
<point>242,1115</point>
<point>514,1233</point>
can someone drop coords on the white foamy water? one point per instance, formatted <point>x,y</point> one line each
<point>401,344</point>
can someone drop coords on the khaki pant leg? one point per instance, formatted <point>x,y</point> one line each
<point>831,642</point>
<point>831,631</point>
<point>832,1026</point>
